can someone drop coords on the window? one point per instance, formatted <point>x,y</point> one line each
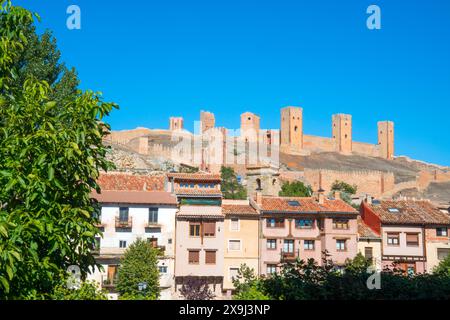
<point>275,223</point>
<point>209,229</point>
<point>153,215</point>
<point>340,223</point>
<point>294,203</point>
<point>368,253</point>
<point>153,242</point>
<point>393,210</point>
<point>442,232</point>
<point>234,224</point>
<point>341,245</point>
<point>194,256</point>
<point>123,214</point>
<point>288,246</point>
<point>234,272</point>
<point>162,269</point>
<point>271,268</point>
<point>412,239</point>
<point>304,223</point>
<point>234,245</point>
<point>308,244</point>
<point>442,253</point>
<point>194,229</point>
<point>393,239</point>
<point>122,244</point>
<point>271,244</point>
<point>210,257</point>
<point>169,241</point>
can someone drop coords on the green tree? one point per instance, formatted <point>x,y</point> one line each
<point>295,189</point>
<point>231,188</point>
<point>87,291</point>
<point>139,266</point>
<point>443,268</point>
<point>51,153</point>
<point>248,286</point>
<point>346,191</point>
<point>40,58</point>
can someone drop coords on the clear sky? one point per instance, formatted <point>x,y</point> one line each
<point>158,59</point>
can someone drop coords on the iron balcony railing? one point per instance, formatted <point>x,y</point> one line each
<point>289,255</point>
<point>124,223</point>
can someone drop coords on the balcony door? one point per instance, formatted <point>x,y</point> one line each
<point>123,214</point>
<point>288,246</point>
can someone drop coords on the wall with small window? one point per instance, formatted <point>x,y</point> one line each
<point>402,240</point>
<point>200,247</point>
<point>123,224</point>
<point>437,245</point>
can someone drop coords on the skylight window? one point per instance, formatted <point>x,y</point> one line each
<point>393,210</point>
<point>294,203</point>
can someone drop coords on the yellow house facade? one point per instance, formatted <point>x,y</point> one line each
<point>241,240</point>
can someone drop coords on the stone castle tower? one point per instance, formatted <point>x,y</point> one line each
<point>342,132</point>
<point>175,123</point>
<point>250,126</point>
<point>386,139</point>
<point>292,128</point>
<point>207,120</point>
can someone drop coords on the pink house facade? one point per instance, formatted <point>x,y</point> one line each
<point>199,240</point>
<point>305,228</point>
<point>405,227</point>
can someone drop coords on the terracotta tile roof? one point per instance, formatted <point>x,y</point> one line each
<point>130,182</point>
<point>195,176</point>
<point>198,192</point>
<point>365,231</point>
<point>307,205</point>
<point>200,211</point>
<point>238,207</point>
<point>410,212</point>
<point>135,197</point>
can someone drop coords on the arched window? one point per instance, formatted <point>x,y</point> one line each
<point>258,184</point>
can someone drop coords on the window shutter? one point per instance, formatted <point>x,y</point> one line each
<point>194,256</point>
<point>209,228</point>
<point>412,238</point>
<point>210,257</point>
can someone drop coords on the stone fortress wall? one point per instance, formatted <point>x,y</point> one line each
<point>292,141</point>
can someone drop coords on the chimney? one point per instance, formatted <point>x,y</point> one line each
<point>321,196</point>
<point>259,198</point>
<point>337,195</point>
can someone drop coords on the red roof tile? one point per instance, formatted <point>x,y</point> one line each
<point>238,209</point>
<point>130,182</point>
<point>310,204</point>
<point>136,197</point>
<point>409,212</point>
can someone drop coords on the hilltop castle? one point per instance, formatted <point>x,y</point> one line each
<point>294,141</point>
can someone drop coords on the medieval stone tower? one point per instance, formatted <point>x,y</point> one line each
<point>175,123</point>
<point>291,129</point>
<point>250,125</point>
<point>342,132</point>
<point>207,120</point>
<point>386,139</point>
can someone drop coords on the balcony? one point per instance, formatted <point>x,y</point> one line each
<point>124,223</point>
<point>109,283</point>
<point>153,225</point>
<point>289,256</point>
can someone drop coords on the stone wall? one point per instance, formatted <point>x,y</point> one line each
<point>374,183</point>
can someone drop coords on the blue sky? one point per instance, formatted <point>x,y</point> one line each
<point>158,59</point>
